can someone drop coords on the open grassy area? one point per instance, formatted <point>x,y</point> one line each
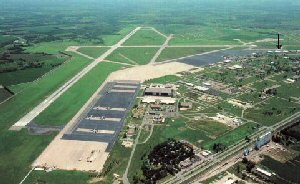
<point>133,56</point>
<point>209,127</point>
<point>57,177</point>
<point>145,37</point>
<point>164,80</point>
<point>94,52</point>
<point>232,136</point>
<point>67,105</point>
<point>178,52</point>
<point>272,111</point>
<point>18,150</point>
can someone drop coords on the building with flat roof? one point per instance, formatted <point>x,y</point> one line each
<point>168,92</point>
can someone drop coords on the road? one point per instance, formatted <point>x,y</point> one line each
<point>125,176</point>
<point>50,99</point>
<point>196,171</point>
<point>161,49</point>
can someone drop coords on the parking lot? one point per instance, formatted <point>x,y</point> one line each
<point>105,119</point>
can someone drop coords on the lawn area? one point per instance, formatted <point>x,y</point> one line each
<point>145,37</point>
<point>18,150</point>
<point>232,137</point>
<point>22,103</point>
<point>227,107</point>
<point>272,111</point>
<point>57,177</point>
<point>209,127</point>
<point>67,105</point>
<point>133,56</point>
<point>164,80</point>
<point>94,52</point>
<point>177,52</point>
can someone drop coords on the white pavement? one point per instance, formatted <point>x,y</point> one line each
<point>46,103</point>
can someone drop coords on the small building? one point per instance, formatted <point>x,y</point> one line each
<point>168,92</point>
<point>186,105</point>
<point>200,88</point>
<point>263,140</point>
<point>155,107</point>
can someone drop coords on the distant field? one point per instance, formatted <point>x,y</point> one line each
<point>145,37</point>
<point>174,53</point>
<point>67,105</point>
<point>218,36</point>
<point>232,137</point>
<point>133,55</point>
<point>54,47</point>
<point>94,52</point>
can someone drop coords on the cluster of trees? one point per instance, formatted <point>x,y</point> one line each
<point>219,147</point>
<point>164,159</point>
<point>289,135</point>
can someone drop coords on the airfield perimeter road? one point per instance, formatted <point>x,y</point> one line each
<point>197,170</point>
<point>42,106</point>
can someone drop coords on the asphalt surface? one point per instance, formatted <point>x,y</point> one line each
<point>110,110</point>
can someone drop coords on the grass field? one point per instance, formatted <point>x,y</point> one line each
<point>145,37</point>
<point>133,56</point>
<point>279,108</point>
<point>19,87</point>
<point>67,105</point>
<point>18,150</point>
<point>232,137</point>
<point>57,177</point>
<point>210,128</point>
<point>93,52</point>
<point>174,53</point>
<point>164,80</point>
